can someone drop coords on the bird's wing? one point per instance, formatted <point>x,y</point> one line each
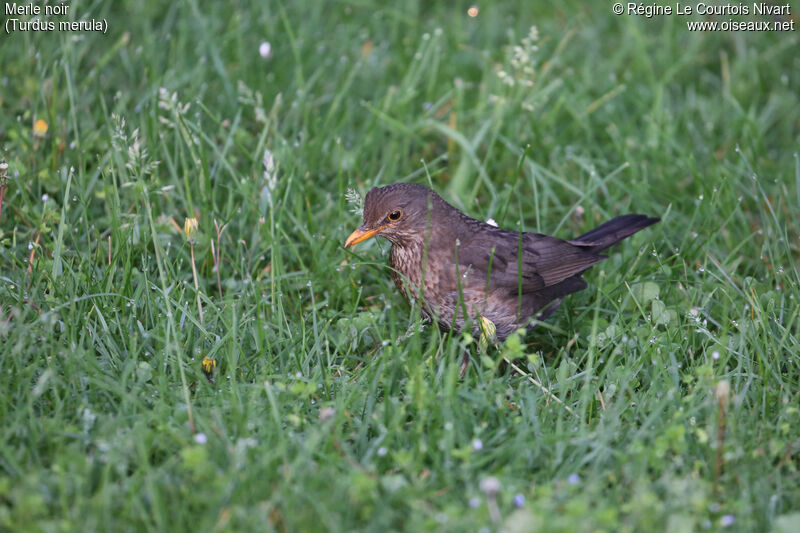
<point>531,261</point>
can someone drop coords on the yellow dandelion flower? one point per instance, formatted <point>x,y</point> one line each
<point>40,128</point>
<point>190,229</point>
<point>208,365</point>
<point>488,333</point>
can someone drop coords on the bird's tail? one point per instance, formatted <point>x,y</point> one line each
<point>613,231</point>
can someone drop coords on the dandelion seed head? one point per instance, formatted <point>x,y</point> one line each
<point>326,414</point>
<point>490,486</point>
<point>723,390</point>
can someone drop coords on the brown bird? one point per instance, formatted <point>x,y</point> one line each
<point>461,269</point>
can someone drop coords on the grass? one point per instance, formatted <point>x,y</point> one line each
<point>678,367</point>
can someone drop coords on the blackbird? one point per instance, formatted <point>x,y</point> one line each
<point>461,269</point>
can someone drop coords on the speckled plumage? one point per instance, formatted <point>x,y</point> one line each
<point>459,268</point>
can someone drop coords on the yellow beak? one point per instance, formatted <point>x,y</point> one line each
<point>361,234</point>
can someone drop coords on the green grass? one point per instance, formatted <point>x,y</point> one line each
<point>331,408</point>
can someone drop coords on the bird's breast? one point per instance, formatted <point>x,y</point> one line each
<point>426,278</point>
<point>406,263</point>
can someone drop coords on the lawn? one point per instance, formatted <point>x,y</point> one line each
<point>260,377</point>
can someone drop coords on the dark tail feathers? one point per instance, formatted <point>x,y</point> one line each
<point>613,231</point>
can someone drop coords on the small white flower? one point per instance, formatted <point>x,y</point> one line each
<point>477,445</point>
<point>492,222</point>
<point>201,438</point>
<point>265,50</point>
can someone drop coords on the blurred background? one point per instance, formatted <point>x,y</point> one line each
<point>255,375</point>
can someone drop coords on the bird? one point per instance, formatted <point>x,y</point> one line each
<point>463,272</point>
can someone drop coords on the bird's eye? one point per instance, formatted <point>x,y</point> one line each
<point>394,216</point>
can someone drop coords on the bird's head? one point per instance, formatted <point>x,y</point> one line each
<point>398,212</point>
